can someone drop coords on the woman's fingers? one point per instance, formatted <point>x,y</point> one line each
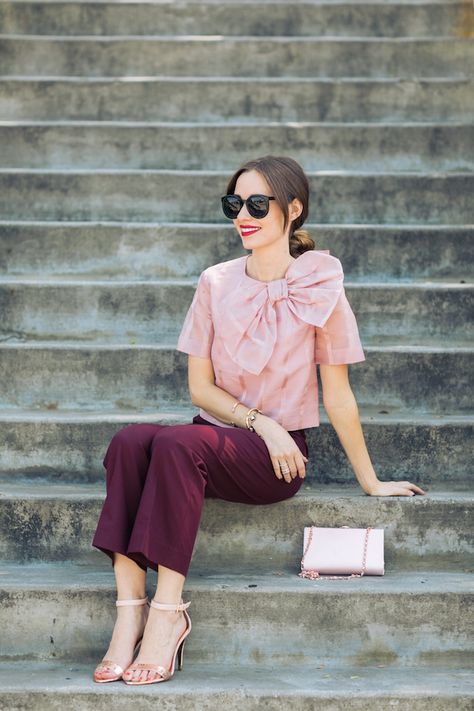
<point>293,461</point>
<point>408,488</point>
<point>276,467</point>
<point>300,467</point>
<point>396,488</point>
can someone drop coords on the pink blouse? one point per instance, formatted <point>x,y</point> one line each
<point>264,338</point>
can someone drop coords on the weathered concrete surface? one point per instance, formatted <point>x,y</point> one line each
<point>318,146</point>
<point>146,312</point>
<point>55,685</point>
<point>251,99</point>
<point>141,195</point>
<point>367,688</point>
<point>345,19</point>
<point>134,250</point>
<point>68,611</point>
<point>51,521</point>
<point>421,448</point>
<point>144,378</point>
<point>374,57</point>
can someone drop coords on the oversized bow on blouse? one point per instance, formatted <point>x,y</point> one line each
<point>310,289</point>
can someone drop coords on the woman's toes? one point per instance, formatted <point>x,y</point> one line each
<point>104,674</point>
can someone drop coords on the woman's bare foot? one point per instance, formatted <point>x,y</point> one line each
<point>129,626</point>
<point>162,631</point>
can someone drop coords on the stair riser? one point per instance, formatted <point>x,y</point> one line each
<point>249,100</point>
<point>145,379</point>
<point>245,626</point>
<point>266,18</point>
<point>146,313</point>
<point>419,453</point>
<point>187,196</point>
<point>231,700</point>
<point>210,148</point>
<point>137,251</point>
<point>420,533</point>
<point>249,57</point>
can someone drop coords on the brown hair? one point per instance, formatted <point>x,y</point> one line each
<point>287,181</point>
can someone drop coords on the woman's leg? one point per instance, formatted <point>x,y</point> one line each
<point>188,464</point>
<point>163,627</point>
<point>131,619</point>
<point>126,462</point>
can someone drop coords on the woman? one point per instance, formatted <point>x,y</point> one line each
<point>253,333</point>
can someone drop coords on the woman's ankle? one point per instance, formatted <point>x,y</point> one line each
<point>130,578</point>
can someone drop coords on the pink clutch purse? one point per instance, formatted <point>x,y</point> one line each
<point>358,551</point>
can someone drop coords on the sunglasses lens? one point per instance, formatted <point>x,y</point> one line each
<point>258,205</point>
<point>231,205</point>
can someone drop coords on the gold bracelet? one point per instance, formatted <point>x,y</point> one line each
<point>251,416</point>
<point>233,410</point>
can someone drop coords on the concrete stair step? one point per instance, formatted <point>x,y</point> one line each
<point>373,687</point>
<point>49,521</point>
<point>67,610</point>
<point>143,378</point>
<point>141,251</point>
<point>251,99</point>
<point>150,312</point>
<point>207,146</point>
<point>379,19</point>
<point>142,195</point>
<point>175,55</point>
<point>422,448</point>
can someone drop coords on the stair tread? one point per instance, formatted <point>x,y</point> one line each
<point>368,414</point>
<point>251,123</point>
<point>75,280</point>
<point>211,172</point>
<point>67,576</point>
<point>41,488</point>
<point>238,39</point>
<point>434,347</point>
<point>143,225</point>
<point>203,679</point>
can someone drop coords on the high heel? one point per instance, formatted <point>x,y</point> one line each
<point>107,664</point>
<point>162,674</point>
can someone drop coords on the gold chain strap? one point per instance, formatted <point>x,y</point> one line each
<point>314,575</point>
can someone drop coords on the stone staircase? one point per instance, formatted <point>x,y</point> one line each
<point>119,126</point>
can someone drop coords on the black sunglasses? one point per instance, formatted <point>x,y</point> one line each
<point>257,205</point>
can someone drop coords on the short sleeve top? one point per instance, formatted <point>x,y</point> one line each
<point>265,338</point>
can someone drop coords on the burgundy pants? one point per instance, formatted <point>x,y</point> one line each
<point>159,475</point>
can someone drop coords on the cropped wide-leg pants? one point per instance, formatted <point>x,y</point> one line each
<point>157,477</point>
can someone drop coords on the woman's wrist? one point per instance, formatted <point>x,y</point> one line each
<point>240,415</point>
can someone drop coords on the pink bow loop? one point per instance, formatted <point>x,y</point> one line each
<point>310,289</point>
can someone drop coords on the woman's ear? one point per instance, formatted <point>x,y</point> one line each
<point>295,209</point>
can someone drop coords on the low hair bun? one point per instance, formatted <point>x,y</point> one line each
<point>300,241</point>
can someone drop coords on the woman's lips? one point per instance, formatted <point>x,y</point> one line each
<point>245,231</point>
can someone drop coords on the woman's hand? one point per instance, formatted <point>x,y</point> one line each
<point>394,488</point>
<point>282,448</point>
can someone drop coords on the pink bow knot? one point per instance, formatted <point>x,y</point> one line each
<point>248,313</point>
<point>277,290</point>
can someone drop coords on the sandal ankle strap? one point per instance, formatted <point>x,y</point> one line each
<point>141,601</point>
<point>170,606</point>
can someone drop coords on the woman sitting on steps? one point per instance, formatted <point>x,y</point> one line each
<point>254,331</point>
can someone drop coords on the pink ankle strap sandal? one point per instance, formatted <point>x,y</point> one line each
<point>160,673</point>
<point>170,606</point>
<point>107,664</point>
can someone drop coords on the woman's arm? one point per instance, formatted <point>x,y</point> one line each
<point>218,402</point>
<point>343,413</point>
<point>206,394</point>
